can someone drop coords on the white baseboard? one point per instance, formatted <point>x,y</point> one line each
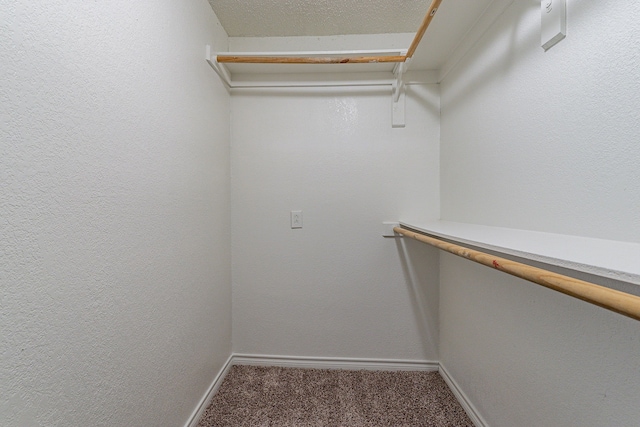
<point>206,399</point>
<point>468,407</point>
<point>335,363</point>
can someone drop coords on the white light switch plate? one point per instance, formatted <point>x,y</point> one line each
<point>296,219</point>
<point>554,22</point>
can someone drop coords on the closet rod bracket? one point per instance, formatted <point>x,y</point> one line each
<point>398,96</point>
<point>220,69</point>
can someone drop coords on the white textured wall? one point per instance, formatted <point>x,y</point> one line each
<point>543,141</point>
<point>335,288</point>
<point>529,356</point>
<point>114,210</point>
<point>547,141</point>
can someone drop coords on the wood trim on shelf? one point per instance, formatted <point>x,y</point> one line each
<point>308,59</point>
<point>266,59</point>
<point>435,4</point>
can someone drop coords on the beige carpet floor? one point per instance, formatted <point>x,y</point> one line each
<point>272,396</point>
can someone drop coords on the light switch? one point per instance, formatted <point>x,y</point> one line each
<point>554,22</point>
<point>296,219</point>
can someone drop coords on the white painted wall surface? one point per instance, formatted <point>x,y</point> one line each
<point>548,142</point>
<point>114,211</point>
<point>528,356</point>
<point>334,288</point>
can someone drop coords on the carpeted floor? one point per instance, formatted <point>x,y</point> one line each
<point>286,397</point>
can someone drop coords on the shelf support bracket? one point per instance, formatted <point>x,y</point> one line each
<point>219,68</point>
<point>398,97</point>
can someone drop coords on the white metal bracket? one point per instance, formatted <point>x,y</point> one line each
<point>219,68</point>
<point>398,98</point>
<point>554,22</point>
<point>387,229</point>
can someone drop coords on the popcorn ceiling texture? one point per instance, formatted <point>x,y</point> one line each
<point>257,18</point>
<point>351,26</point>
<point>114,212</point>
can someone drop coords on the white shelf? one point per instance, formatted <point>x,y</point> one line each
<point>239,68</point>
<point>278,75</point>
<point>606,258</point>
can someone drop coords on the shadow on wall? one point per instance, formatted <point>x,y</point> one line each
<point>505,46</point>
<point>430,104</point>
<point>485,68</point>
<point>421,271</point>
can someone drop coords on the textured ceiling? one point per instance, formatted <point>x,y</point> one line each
<point>279,18</point>
<point>289,18</point>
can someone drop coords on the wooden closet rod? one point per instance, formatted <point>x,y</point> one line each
<point>620,302</point>
<point>308,60</point>
<point>435,4</point>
